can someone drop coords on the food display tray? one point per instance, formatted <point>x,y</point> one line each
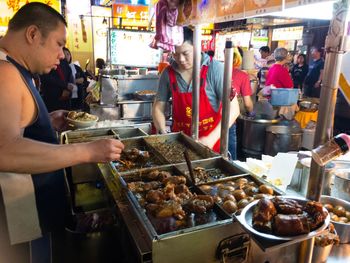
<point>172,146</point>
<point>212,170</point>
<point>169,226</point>
<point>87,135</point>
<point>124,133</point>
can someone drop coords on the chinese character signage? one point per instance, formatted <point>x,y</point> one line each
<point>132,15</point>
<point>259,7</point>
<point>287,33</point>
<point>10,7</point>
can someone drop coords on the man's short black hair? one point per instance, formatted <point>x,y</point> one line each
<point>264,49</point>
<point>41,15</point>
<point>188,35</point>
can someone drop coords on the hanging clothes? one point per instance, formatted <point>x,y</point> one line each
<point>168,34</point>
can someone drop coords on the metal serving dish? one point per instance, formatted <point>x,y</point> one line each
<point>343,229</point>
<point>212,170</point>
<point>155,159</point>
<point>169,226</point>
<point>124,133</point>
<point>246,220</point>
<point>87,135</point>
<point>172,146</point>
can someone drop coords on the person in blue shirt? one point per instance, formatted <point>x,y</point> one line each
<point>313,80</point>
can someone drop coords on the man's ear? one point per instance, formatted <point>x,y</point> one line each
<point>32,33</point>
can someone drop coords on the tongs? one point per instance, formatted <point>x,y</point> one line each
<point>189,167</point>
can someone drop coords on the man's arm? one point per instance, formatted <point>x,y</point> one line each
<point>212,138</point>
<point>22,155</point>
<point>248,103</point>
<point>158,114</point>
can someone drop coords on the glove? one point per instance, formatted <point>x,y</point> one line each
<point>250,114</point>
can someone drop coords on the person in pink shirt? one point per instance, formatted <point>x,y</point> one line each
<point>278,75</point>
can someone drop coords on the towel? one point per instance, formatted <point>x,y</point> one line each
<point>20,207</point>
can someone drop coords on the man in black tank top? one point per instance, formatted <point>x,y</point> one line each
<point>33,45</point>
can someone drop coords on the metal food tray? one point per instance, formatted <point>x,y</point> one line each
<point>69,137</point>
<point>251,178</point>
<point>160,228</point>
<point>174,144</point>
<point>217,169</point>
<point>124,133</point>
<point>139,143</point>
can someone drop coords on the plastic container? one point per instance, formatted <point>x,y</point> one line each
<point>284,97</point>
<point>332,149</point>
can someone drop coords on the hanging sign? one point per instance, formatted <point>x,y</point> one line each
<point>10,7</point>
<point>259,7</point>
<point>132,15</point>
<point>228,10</point>
<point>287,33</point>
<point>294,3</point>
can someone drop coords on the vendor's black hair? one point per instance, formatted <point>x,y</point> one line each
<point>41,15</point>
<point>265,49</point>
<point>188,35</point>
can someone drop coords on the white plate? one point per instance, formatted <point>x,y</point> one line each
<point>246,217</point>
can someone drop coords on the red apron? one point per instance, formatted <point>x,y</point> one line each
<point>182,108</point>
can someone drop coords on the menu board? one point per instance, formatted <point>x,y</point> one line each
<point>131,48</point>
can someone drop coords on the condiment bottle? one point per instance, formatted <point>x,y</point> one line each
<point>332,149</point>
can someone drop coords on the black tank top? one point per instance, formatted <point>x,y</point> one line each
<point>49,187</point>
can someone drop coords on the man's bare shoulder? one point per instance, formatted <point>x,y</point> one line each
<point>10,77</point>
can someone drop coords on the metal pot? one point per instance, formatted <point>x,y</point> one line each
<point>341,187</point>
<point>253,135</point>
<point>282,139</point>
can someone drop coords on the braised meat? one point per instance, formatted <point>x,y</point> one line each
<point>139,186</point>
<point>317,215</point>
<point>175,180</point>
<point>155,196</point>
<point>136,155</point>
<point>170,208</point>
<point>200,204</point>
<point>286,217</point>
<point>290,225</point>
<point>263,214</point>
<point>287,206</point>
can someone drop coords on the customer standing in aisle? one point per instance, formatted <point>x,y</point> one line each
<point>176,82</point>
<point>31,161</point>
<point>299,72</point>
<point>313,80</point>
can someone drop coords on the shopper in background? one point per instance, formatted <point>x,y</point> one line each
<point>263,64</point>
<point>57,86</point>
<point>240,85</point>
<point>313,80</point>
<point>176,82</point>
<point>299,71</point>
<point>79,82</point>
<point>31,161</point>
<point>278,74</point>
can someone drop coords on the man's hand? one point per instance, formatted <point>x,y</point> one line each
<point>59,120</point>
<point>105,150</point>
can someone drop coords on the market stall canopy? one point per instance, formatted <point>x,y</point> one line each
<point>204,11</point>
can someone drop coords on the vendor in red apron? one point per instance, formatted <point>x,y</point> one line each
<point>176,82</point>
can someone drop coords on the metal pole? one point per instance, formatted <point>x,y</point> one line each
<point>196,79</point>
<point>336,46</point>
<point>225,121</point>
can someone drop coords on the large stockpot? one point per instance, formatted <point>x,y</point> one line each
<point>280,138</point>
<point>253,135</point>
